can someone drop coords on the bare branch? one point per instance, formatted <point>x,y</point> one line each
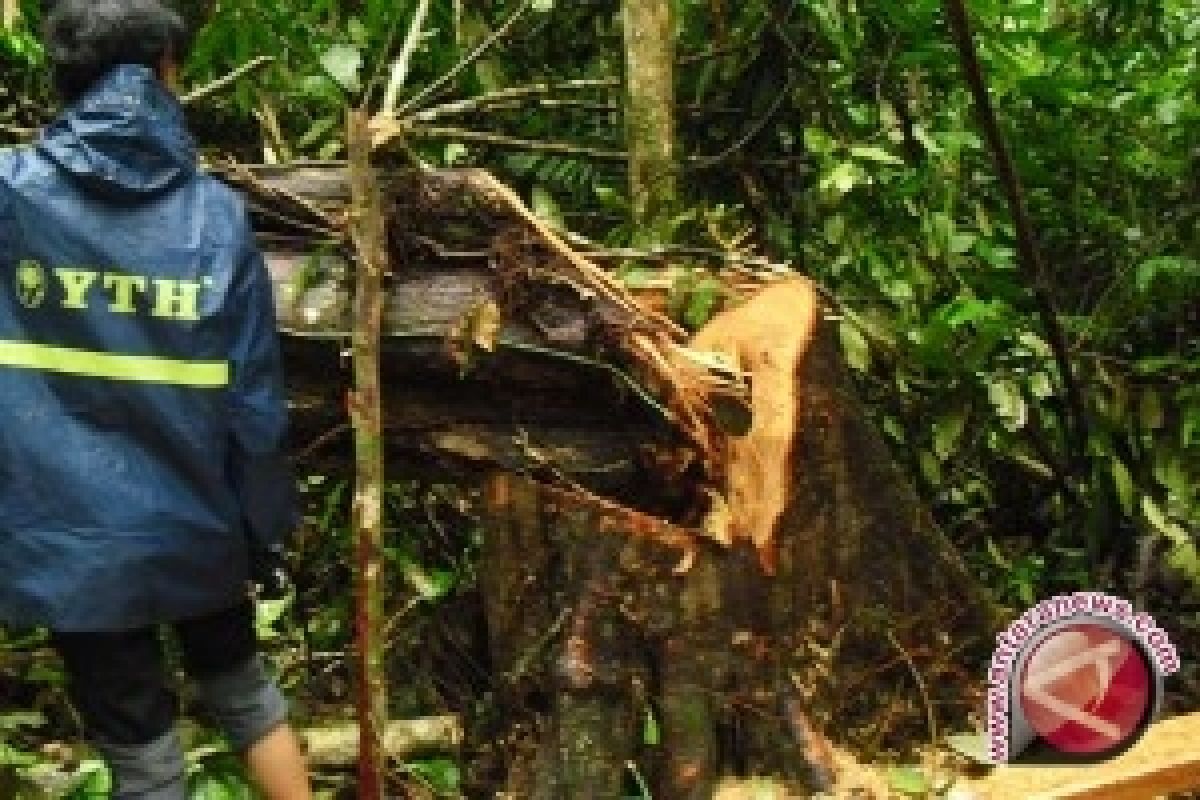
<point>220,84</point>
<point>17,131</point>
<point>470,59</point>
<point>499,140</point>
<point>706,162</point>
<point>505,95</point>
<point>404,60</point>
<point>552,103</point>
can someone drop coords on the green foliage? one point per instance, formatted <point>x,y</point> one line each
<point>214,773</point>
<point>441,776</point>
<point>903,218</point>
<point>909,781</point>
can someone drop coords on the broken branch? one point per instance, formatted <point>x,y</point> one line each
<point>220,84</point>
<point>401,66</point>
<point>470,59</point>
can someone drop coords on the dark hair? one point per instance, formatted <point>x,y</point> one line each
<point>86,39</point>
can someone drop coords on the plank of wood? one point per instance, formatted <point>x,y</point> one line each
<point>1165,761</point>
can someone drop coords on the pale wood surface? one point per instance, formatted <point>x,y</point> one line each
<point>1166,760</point>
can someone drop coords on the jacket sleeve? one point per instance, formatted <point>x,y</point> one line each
<point>260,471</point>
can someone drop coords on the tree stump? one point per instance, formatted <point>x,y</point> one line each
<point>632,639</point>
<point>865,630</point>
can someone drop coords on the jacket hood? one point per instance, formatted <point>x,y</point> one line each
<point>125,137</point>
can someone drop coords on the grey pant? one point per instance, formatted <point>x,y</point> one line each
<point>245,704</point>
<point>118,681</point>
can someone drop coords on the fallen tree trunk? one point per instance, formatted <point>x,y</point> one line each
<point>627,617</point>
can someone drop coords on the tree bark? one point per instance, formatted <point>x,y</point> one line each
<point>741,672</point>
<point>367,222</point>
<point>650,116</point>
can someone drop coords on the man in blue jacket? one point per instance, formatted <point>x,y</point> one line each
<point>142,479</point>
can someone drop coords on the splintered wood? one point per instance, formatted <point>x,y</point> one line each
<point>766,338</point>
<point>514,274</point>
<point>651,340</point>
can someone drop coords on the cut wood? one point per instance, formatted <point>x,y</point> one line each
<point>1165,761</point>
<point>337,745</point>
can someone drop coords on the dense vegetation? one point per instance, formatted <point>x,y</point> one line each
<point>839,137</point>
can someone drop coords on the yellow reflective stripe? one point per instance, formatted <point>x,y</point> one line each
<point>145,369</point>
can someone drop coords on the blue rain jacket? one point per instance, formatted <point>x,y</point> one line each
<point>142,410</point>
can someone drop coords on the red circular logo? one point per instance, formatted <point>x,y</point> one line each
<point>1086,689</point>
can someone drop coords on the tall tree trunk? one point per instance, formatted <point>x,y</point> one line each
<point>650,115</point>
<point>370,243</point>
<point>687,709</point>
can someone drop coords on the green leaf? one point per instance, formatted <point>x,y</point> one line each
<point>997,556</point>
<point>1185,560</point>
<point>442,774</point>
<point>454,152</point>
<point>1006,398</point>
<point>877,154</point>
<point>12,757</point>
<point>969,309</point>
<point>1123,482</point>
<point>546,207</point>
<point>1040,385</point>
<point>316,132</point>
<point>635,275</point>
<point>651,736</point>
<point>974,746</point>
<point>931,468</point>
<point>855,346</point>
<point>961,242</point>
<point>1189,432</point>
<point>15,720</point>
<point>1150,410</point>
<point>343,62</point>
<point>94,781</point>
<point>926,140</point>
<point>835,228</point>
<point>702,303</point>
<point>842,178</point>
<point>1158,520</point>
<point>909,780</point>
<point>609,197</point>
<point>1171,472</point>
<point>358,32</point>
<point>947,431</point>
<point>817,141</point>
<point>268,614</point>
<point>1173,269</point>
<point>542,6</point>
